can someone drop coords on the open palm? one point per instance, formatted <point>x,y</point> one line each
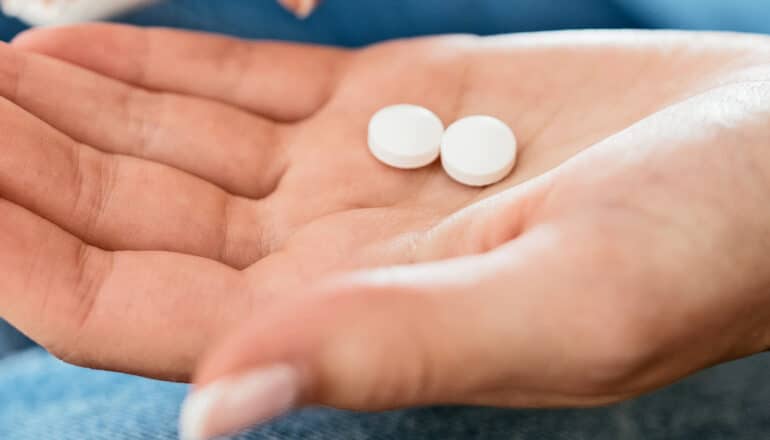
<point>186,182</point>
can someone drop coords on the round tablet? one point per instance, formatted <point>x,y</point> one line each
<point>405,136</point>
<point>478,150</point>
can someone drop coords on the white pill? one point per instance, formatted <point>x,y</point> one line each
<point>405,136</point>
<point>478,150</point>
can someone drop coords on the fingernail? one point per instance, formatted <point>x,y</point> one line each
<point>300,8</point>
<point>304,8</point>
<point>231,405</point>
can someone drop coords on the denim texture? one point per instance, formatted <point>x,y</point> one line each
<point>11,341</point>
<point>44,399</point>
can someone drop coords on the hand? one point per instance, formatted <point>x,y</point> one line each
<point>640,261</point>
<point>213,180</point>
<point>163,196</point>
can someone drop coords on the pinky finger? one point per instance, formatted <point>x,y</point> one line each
<point>148,313</point>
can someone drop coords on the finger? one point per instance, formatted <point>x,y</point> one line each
<point>301,8</point>
<point>473,329</point>
<point>232,149</point>
<point>370,347</point>
<point>281,81</point>
<point>119,202</point>
<point>142,312</point>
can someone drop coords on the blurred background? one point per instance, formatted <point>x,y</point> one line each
<point>354,23</point>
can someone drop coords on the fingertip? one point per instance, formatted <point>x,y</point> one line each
<point>234,403</point>
<point>42,39</point>
<point>24,38</point>
<point>59,36</point>
<point>92,46</point>
<point>300,8</point>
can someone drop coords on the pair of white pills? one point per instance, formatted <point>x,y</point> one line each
<point>475,151</point>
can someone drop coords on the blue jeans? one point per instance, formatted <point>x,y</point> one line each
<point>41,398</point>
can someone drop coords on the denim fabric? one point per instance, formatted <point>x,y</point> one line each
<point>11,341</point>
<point>45,399</point>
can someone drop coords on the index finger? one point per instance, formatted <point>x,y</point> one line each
<point>281,81</point>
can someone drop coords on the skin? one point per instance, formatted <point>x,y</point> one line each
<point>200,194</point>
<point>302,8</point>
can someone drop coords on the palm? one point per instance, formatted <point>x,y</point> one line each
<point>146,224</point>
<point>341,209</point>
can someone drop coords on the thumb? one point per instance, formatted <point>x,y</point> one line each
<point>468,330</point>
<point>363,344</point>
<point>447,331</point>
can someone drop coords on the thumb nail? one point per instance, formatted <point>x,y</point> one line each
<point>231,405</point>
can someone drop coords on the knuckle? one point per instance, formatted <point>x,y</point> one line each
<point>621,350</point>
<point>374,364</point>
<point>618,328</point>
<point>94,179</point>
<point>92,267</point>
<point>12,70</point>
<point>90,270</point>
<point>144,112</point>
<point>621,331</point>
<point>357,376</point>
